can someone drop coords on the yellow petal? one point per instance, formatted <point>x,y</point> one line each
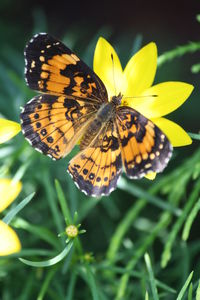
<point>140,70</point>
<point>168,96</point>
<point>175,133</point>
<point>8,129</point>
<point>108,69</point>
<point>151,176</point>
<point>9,190</point>
<point>9,241</point>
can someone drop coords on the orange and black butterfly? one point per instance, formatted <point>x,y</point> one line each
<point>74,106</point>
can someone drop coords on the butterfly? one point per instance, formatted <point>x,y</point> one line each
<point>73,107</point>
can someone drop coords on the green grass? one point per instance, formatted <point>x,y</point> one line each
<point>141,242</point>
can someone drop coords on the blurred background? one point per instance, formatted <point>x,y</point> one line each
<point>128,25</point>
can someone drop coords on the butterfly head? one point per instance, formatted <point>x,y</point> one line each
<point>117,99</point>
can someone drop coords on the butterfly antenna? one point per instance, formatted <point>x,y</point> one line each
<point>113,74</point>
<point>145,96</point>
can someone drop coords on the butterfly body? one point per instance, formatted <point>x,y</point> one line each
<point>106,113</point>
<point>74,107</point>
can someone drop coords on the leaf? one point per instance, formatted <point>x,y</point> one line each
<point>190,220</point>
<point>185,286</point>
<point>63,203</point>
<point>151,276</point>
<point>51,261</point>
<point>12,213</point>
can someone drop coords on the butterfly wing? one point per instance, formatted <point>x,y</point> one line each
<point>144,147</point>
<point>54,124</point>
<point>53,68</point>
<point>97,168</point>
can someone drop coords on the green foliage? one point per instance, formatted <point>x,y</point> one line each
<point>132,248</point>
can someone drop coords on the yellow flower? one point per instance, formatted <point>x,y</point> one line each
<point>136,80</point>
<point>9,241</point>
<point>9,190</point>
<point>8,129</point>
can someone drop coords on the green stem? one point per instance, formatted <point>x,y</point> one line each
<point>46,283</point>
<point>194,136</point>
<point>139,253</point>
<point>128,220</point>
<point>177,226</point>
<point>178,52</point>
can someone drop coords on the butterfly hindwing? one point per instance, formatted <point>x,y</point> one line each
<point>54,124</point>
<point>144,147</point>
<point>97,168</point>
<point>53,68</point>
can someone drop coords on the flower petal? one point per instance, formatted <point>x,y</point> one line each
<point>9,241</point>
<point>110,71</point>
<point>140,70</point>
<point>167,97</point>
<point>8,129</point>
<point>151,176</point>
<point>9,190</point>
<point>175,133</point>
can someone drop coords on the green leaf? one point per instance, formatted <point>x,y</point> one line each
<point>195,68</point>
<point>134,190</point>
<point>185,286</point>
<point>40,231</point>
<point>51,261</point>
<point>13,212</point>
<point>51,198</point>
<point>190,220</point>
<point>139,253</point>
<point>198,292</point>
<point>146,296</point>
<point>63,203</point>
<point>198,18</point>
<point>89,277</point>
<point>166,255</point>
<point>194,136</point>
<point>151,277</point>
<point>71,286</point>
<point>178,52</point>
<point>190,291</point>
<point>46,283</point>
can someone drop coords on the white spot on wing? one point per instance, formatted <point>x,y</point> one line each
<point>39,150</point>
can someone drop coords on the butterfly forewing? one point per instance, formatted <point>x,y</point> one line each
<point>53,68</point>
<point>53,123</point>
<point>144,146</point>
